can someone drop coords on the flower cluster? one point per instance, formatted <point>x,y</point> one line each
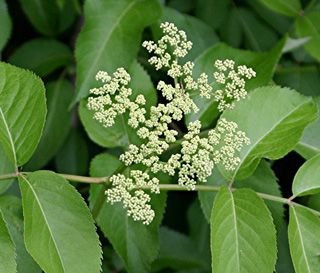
<point>232,82</point>
<point>112,99</point>
<point>199,153</point>
<point>136,201</point>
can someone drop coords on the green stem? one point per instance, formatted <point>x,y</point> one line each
<point>8,176</point>
<point>77,178</point>
<point>164,187</point>
<point>278,199</point>
<point>84,179</point>
<point>101,195</point>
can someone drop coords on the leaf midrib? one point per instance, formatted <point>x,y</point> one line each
<point>45,218</point>
<point>265,135</point>
<point>234,216</point>
<point>301,239</point>
<point>10,139</point>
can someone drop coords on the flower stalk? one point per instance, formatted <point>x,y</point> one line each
<point>162,187</point>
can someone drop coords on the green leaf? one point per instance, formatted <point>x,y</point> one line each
<point>304,79</point>
<point>240,225</point>
<point>184,6</point>
<point>59,95</point>
<point>59,230</point>
<point>6,166</point>
<point>258,35</point>
<point>73,156</point>
<point>263,180</point>
<point>135,243</point>
<point>282,115</point>
<point>199,232</point>
<point>7,250</point>
<point>5,23</point>
<point>309,144</point>
<point>212,12</point>
<point>60,3</point>
<point>263,63</point>
<point>177,251</point>
<point>285,7</point>
<point>309,26</point>
<point>21,92</point>
<point>284,261</point>
<point>314,201</point>
<point>120,134</point>
<point>278,22</point>
<point>12,213</point>
<point>206,198</point>
<point>300,55</point>
<point>304,234</point>
<point>307,179</point>
<point>110,37</point>
<point>42,56</point>
<point>46,16</point>
<point>231,31</point>
<point>201,35</point>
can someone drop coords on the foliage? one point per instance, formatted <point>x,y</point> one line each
<point>258,210</point>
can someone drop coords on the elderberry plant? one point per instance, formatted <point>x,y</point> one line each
<point>199,153</point>
<point>241,214</point>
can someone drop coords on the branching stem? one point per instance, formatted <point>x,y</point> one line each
<point>163,187</point>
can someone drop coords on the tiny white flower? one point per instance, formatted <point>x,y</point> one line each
<point>198,154</point>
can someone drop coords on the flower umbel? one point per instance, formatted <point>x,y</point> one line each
<point>232,82</point>
<point>199,153</point>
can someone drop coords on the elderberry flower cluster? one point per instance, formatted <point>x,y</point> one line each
<point>112,99</point>
<point>136,201</point>
<point>232,83</point>
<point>198,153</point>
